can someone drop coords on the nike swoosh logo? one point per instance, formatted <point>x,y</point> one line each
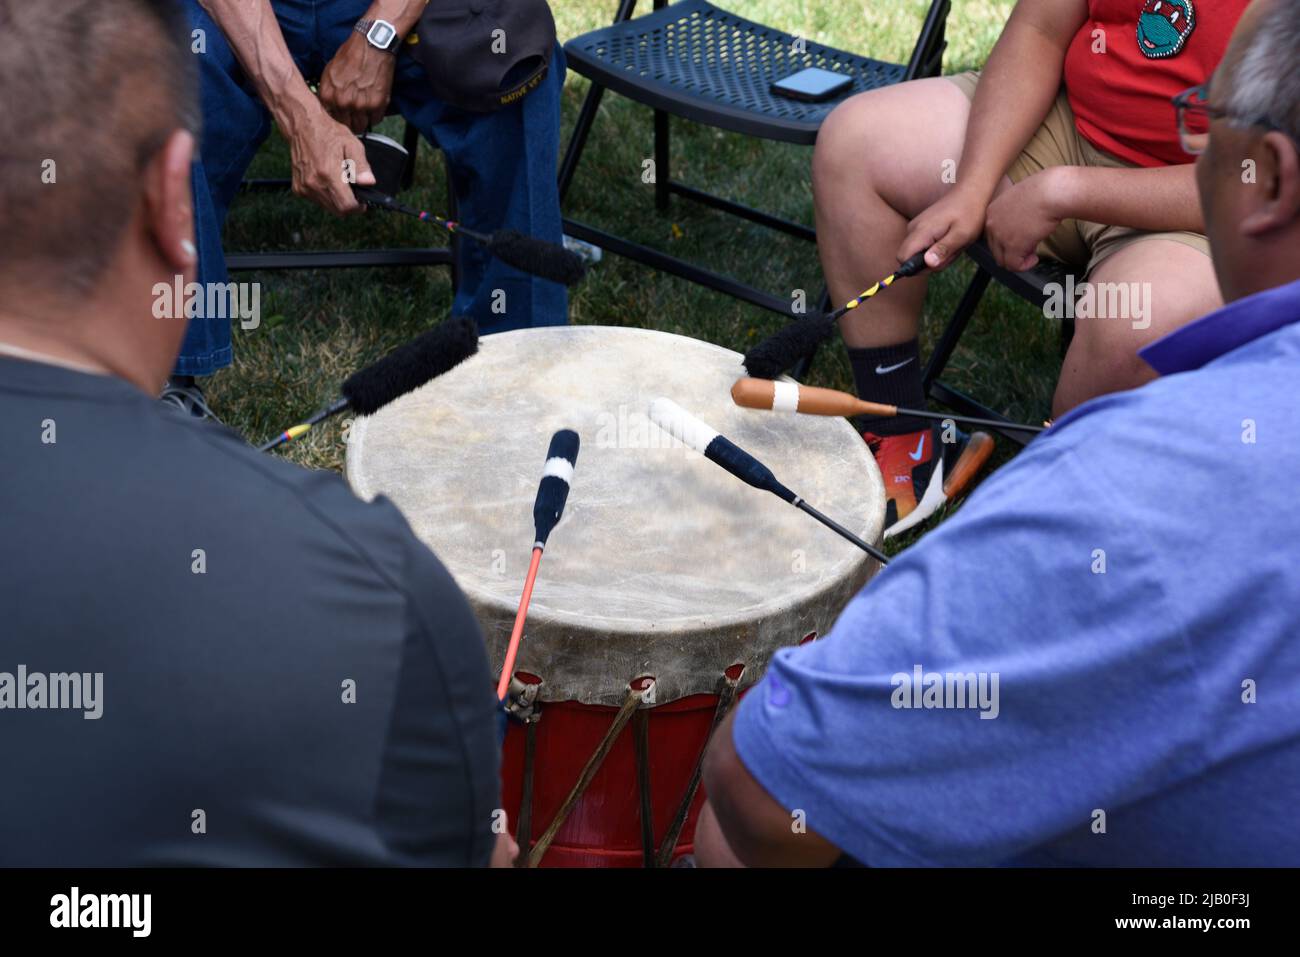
<point>920,447</point>
<point>885,370</point>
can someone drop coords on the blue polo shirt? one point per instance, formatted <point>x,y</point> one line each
<point>1097,660</point>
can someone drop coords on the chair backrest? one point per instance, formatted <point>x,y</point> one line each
<point>927,55</point>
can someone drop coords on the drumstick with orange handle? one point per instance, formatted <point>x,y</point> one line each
<point>779,396</point>
<point>552,493</point>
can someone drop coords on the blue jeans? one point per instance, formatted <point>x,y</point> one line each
<point>502,168</point>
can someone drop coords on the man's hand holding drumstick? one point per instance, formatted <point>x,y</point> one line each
<point>354,92</point>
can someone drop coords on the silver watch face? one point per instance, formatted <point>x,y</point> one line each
<point>382,34</point>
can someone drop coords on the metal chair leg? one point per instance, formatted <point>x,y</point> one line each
<point>578,139</point>
<point>454,242</point>
<point>1067,335</point>
<point>945,394</point>
<point>956,326</point>
<point>663,175</point>
<point>410,140</point>
<point>927,55</point>
<point>586,116</point>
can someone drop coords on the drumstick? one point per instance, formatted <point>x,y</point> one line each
<point>720,450</point>
<point>529,254</point>
<point>783,349</point>
<point>552,493</point>
<point>406,368</point>
<point>792,397</point>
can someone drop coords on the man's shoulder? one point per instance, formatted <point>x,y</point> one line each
<point>1201,456</point>
<point>1158,468</point>
<point>239,482</point>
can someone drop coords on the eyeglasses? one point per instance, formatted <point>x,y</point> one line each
<point>1195,115</point>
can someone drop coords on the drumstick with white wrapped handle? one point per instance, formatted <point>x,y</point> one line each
<point>779,396</point>
<point>552,493</point>
<point>720,450</point>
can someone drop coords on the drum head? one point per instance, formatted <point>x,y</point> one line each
<point>663,564</point>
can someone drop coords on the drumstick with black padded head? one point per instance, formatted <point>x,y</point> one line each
<point>720,450</point>
<point>537,257</point>
<point>552,493</point>
<point>780,351</point>
<point>778,396</point>
<point>403,370</point>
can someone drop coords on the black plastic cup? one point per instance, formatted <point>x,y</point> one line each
<point>387,159</point>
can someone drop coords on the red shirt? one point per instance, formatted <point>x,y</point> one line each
<point>1154,49</point>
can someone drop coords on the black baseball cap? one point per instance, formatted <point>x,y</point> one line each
<point>481,55</point>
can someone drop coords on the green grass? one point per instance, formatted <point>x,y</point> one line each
<point>319,326</point>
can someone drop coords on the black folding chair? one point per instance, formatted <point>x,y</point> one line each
<point>1030,286</point>
<point>353,258</point>
<point>701,63</point>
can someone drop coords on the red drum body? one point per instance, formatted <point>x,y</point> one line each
<point>604,829</point>
<point>663,592</point>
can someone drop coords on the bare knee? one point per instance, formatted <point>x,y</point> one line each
<point>1097,365</point>
<point>1168,284</point>
<point>841,154</point>
<point>877,142</point>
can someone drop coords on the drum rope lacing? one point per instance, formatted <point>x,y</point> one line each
<point>525,707</point>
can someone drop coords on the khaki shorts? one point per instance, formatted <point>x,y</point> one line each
<point>1058,143</point>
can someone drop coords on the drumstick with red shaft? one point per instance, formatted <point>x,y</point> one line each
<point>781,396</point>
<point>720,450</point>
<point>552,493</point>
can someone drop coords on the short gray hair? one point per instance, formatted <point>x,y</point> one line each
<point>1265,81</point>
<point>91,91</point>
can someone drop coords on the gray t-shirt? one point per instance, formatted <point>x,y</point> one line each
<point>288,676</point>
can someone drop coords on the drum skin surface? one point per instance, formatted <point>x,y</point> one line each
<point>663,565</point>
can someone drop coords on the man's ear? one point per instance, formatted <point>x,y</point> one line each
<point>1279,206</point>
<point>169,203</point>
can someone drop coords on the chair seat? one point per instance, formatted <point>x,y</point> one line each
<point>1030,285</point>
<point>710,66</point>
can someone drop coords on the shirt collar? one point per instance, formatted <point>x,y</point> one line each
<point>1229,328</point>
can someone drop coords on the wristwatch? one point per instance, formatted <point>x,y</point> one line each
<point>380,34</point>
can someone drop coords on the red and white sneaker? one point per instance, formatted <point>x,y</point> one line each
<point>917,482</point>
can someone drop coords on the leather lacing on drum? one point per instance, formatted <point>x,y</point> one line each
<point>525,707</point>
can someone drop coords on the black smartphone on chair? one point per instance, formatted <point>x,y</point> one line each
<point>813,85</point>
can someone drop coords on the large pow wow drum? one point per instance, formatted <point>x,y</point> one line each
<point>665,589</point>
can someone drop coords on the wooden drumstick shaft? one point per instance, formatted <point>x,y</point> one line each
<point>812,400</point>
<point>843,532</point>
<point>288,435</point>
<point>552,493</point>
<point>721,451</point>
<point>517,633</point>
<point>911,267</point>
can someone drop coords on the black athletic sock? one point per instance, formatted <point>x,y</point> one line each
<point>892,375</point>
